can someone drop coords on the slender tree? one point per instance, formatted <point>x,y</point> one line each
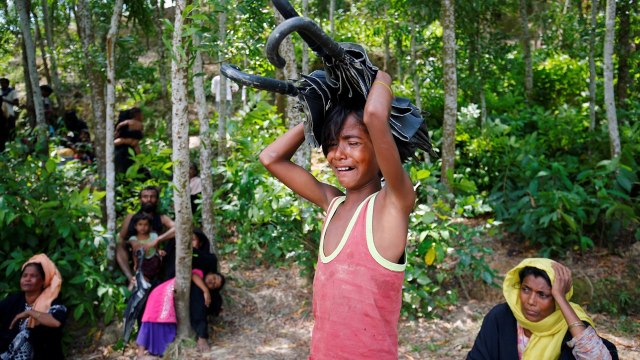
<point>34,81</point>
<point>205,143</point>
<point>525,39</point>
<point>222,110</point>
<point>96,81</point>
<point>624,50</point>
<point>43,52</point>
<point>305,47</point>
<point>450,91</point>
<point>180,158</point>
<point>48,31</point>
<point>110,128</point>
<point>592,65</point>
<point>609,97</point>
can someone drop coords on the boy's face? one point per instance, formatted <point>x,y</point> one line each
<point>142,227</point>
<point>352,158</point>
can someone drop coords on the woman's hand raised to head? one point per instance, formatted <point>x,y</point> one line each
<point>562,282</point>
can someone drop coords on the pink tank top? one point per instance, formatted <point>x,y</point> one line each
<point>357,294</point>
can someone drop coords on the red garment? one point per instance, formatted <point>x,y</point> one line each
<point>357,295</point>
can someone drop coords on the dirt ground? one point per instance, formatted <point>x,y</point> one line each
<point>267,315</point>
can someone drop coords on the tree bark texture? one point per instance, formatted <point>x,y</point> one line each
<point>625,49</point>
<point>291,115</point>
<point>414,70</point>
<point>180,158</point>
<point>592,65</point>
<point>48,30</point>
<point>110,117</point>
<point>305,47</point>
<point>450,91</point>
<point>34,81</point>
<point>43,51</point>
<point>609,97</point>
<point>31,113</point>
<point>222,105</point>
<point>525,39</point>
<point>205,147</point>
<point>96,82</point>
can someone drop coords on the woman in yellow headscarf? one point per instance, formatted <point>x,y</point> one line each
<point>31,320</point>
<point>538,322</point>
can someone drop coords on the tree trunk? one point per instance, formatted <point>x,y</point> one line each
<point>34,81</point>
<point>332,18</point>
<point>387,46</point>
<point>96,83</point>
<point>399,57</point>
<point>222,105</point>
<point>305,47</point>
<point>414,70</point>
<point>180,158</point>
<point>43,52</point>
<point>292,116</point>
<point>624,51</point>
<point>110,118</point>
<point>48,30</point>
<point>205,147</point>
<point>609,97</point>
<point>525,39</point>
<point>450,91</point>
<point>592,65</point>
<point>31,113</point>
<point>162,73</point>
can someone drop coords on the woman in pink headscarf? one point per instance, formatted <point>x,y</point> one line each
<point>31,320</point>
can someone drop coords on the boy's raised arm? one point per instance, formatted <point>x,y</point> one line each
<point>376,117</point>
<point>276,158</point>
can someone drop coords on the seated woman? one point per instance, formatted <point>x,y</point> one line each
<point>538,321</point>
<point>31,320</point>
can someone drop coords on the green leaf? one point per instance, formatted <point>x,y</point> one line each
<point>423,174</point>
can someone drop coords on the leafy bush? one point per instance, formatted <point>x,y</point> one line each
<point>48,208</point>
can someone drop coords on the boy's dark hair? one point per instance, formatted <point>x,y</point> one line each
<point>530,270</point>
<point>335,120</point>
<point>131,231</point>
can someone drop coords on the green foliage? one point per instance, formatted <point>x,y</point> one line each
<point>550,180</point>
<point>50,208</point>
<point>442,250</point>
<point>560,79</point>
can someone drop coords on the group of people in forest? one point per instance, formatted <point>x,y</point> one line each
<point>357,288</point>
<point>149,231</point>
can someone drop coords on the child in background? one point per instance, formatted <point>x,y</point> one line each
<point>159,320</point>
<point>357,289</point>
<point>141,236</point>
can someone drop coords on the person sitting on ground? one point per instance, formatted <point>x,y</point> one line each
<point>161,224</point>
<point>31,320</point>
<point>159,320</point>
<point>74,125</point>
<point>538,321</point>
<point>140,234</point>
<point>206,261</point>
